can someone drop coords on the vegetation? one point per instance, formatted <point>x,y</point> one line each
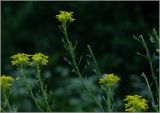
<point>85,84</point>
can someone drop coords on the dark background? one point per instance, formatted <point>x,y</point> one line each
<point>31,27</point>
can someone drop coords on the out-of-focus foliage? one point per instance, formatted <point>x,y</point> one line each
<point>31,27</point>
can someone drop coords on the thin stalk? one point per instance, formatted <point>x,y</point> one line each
<point>29,89</point>
<point>71,51</point>
<point>108,99</point>
<point>42,88</point>
<point>98,73</point>
<point>6,100</point>
<point>150,92</point>
<point>155,36</point>
<point>93,96</point>
<point>114,104</point>
<point>108,91</point>
<point>150,62</point>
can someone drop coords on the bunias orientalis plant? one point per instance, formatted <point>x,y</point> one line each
<point>6,82</point>
<point>151,59</point>
<point>65,18</point>
<point>36,61</point>
<point>107,82</point>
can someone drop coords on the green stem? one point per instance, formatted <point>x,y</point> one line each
<point>6,100</point>
<point>114,104</point>
<point>108,99</point>
<point>29,88</point>
<point>42,88</point>
<point>93,96</point>
<point>71,51</point>
<point>150,62</point>
<point>98,73</point>
<point>156,38</point>
<point>150,92</point>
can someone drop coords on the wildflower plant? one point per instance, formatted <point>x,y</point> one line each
<point>6,83</point>
<point>39,60</point>
<point>66,17</point>
<point>35,61</point>
<point>154,38</point>
<point>108,81</point>
<point>105,83</point>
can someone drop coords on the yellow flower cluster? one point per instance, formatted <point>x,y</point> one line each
<point>6,82</point>
<point>65,17</point>
<point>109,79</point>
<point>20,59</point>
<point>40,59</point>
<point>135,103</point>
<point>24,59</point>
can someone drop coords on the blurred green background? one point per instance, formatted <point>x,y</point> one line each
<point>31,27</point>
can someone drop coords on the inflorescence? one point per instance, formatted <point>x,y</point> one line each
<point>135,103</point>
<point>25,59</point>
<point>109,79</point>
<point>65,17</point>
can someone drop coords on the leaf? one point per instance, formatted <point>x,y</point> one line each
<point>75,45</point>
<point>141,55</point>
<point>137,38</point>
<point>80,59</point>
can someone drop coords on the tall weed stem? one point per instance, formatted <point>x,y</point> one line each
<point>21,69</point>
<point>71,49</point>
<point>42,87</point>
<point>6,100</point>
<point>150,92</point>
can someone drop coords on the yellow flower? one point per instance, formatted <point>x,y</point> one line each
<point>39,59</point>
<point>20,59</point>
<point>135,103</point>
<point>65,17</point>
<point>6,81</point>
<point>109,79</point>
